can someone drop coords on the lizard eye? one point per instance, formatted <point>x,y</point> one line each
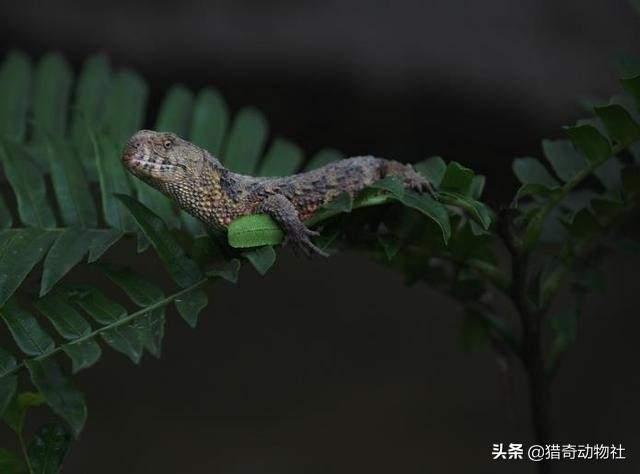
<point>167,144</point>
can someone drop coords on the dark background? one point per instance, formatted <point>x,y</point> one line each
<point>337,367</point>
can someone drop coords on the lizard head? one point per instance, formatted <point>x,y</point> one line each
<point>162,159</point>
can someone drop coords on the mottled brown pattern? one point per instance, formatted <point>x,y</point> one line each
<point>204,188</point>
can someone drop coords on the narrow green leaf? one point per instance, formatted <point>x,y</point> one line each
<point>191,304</point>
<point>29,336</point>
<point>423,203</point>
<point>590,142</point>
<point>433,169</point>
<point>64,317</point>
<point>124,338</point>
<point>322,158</point>
<point>150,327</point>
<point>210,120</point>
<point>141,291</point>
<point>182,269</point>
<point>83,354</point>
<point>51,90</point>
<point>477,186</point>
<point>619,124</point>
<point>175,111</point>
<point>15,84</point>
<point>632,85</point>
<point>254,230</point>
<point>282,159</point>
<point>457,178</point>
<point>102,309</point>
<point>113,179</point>
<point>15,413</point>
<point>478,211</point>
<point>28,185</point>
<point>20,251</point>
<point>531,171</point>
<point>70,184</point>
<point>66,252</point>
<point>89,107</point>
<point>229,271</point>
<point>6,220</point>
<point>64,400</point>
<point>564,159</point>
<point>7,362</point>
<point>262,258</point>
<point>11,463</point>
<point>48,449</point>
<point>8,387</point>
<point>245,141</point>
<point>101,241</point>
<point>125,107</point>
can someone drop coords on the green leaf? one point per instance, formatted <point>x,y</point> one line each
<point>254,230</point>
<point>457,178</point>
<point>245,141</point>
<point>125,107</point>
<point>564,159</point>
<point>113,179</point>
<point>390,245</point>
<point>66,252</point>
<point>123,338</point>
<point>89,107</point>
<point>190,304</point>
<point>8,387</point>
<point>478,211</point>
<point>262,258</point>
<point>15,84</point>
<point>29,336</point>
<point>6,220</point>
<point>609,174</point>
<point>150,327</point>
<point>322,158</point>
<point>619,124</point>
<point>175,111</point>
<point>590,142</point>
<point>433,169</point>
<point>141,291</point>
<point>229,271</point>
<point>51,90</point>
<point>632,85</point>
<point>102,309</point>
<point>210,120</point>
<point>7,362</point>
<point>101,241</point>
<point>183,270</point>
<point>70,184</point>
<point>531,171</point>
<point>283,158</point>
<point>48,448</point>
<point>58,392</point>
<point>421,202</point>
<point>477,186</point>
<point>28,185</point>
<point>64,317</point>
<point>15,413</point>
<point>10,463</point>
<point>20,251</point>
<point>83,354</point>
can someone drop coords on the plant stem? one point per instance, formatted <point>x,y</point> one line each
<point>25,453</point>
<point>532,354</point>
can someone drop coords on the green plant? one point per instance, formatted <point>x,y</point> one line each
<point>71,202</point>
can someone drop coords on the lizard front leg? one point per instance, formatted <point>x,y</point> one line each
<point>286,216</point>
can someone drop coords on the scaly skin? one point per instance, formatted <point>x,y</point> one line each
<point>204,188</point>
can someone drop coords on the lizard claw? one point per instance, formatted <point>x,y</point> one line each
<point>300,239</point>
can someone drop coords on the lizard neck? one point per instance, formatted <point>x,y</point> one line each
<point>211,196</point>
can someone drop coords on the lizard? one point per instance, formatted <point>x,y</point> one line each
<point>215,195</point>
